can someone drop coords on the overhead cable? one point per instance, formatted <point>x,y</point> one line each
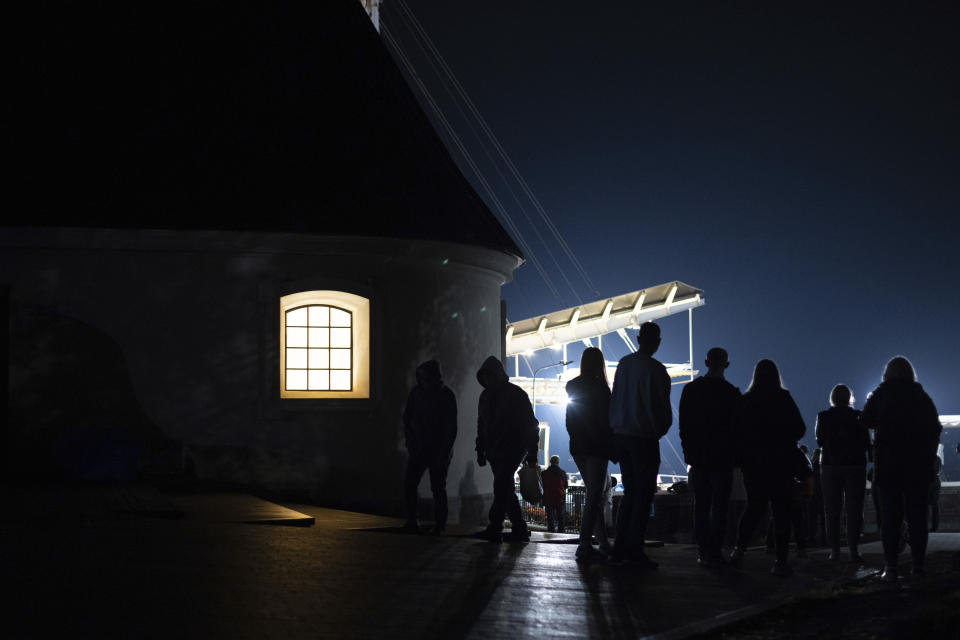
<point>525,187</point>
<point>458,143</point>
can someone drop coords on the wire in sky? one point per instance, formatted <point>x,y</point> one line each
<point>421,35</point>
<point>458,143</point>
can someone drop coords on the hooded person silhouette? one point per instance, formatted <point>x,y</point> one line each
<point>430,429</point>
<point>507,433</point>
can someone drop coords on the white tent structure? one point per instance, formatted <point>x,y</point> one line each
<point>591,321</point>
<point>596,319</point>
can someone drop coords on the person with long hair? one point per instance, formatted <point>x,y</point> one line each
<point>845,448</point>
<point>768,427</point>
<point>906,430</point>
<point>591,440</point>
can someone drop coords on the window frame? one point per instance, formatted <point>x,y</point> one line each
<point>359,309</point>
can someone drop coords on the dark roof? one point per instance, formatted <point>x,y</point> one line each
<point>218,115</point>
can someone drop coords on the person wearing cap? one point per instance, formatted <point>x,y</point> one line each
<point>640,414</point>
<point>708,407</point>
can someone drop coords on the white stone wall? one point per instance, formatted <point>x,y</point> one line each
<point>187,323</point>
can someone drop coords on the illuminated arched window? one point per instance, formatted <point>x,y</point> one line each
<point>325,345</point>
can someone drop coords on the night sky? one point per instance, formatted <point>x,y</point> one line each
<point>800,165</point>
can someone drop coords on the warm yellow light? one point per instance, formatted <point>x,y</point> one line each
<point>324,345</point>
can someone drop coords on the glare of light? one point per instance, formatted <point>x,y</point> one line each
<point>528,352</point>
<point>556,347</point>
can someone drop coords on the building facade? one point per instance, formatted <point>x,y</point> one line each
<point>240,243</point>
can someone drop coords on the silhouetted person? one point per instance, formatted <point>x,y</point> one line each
<point>507,433</point>
<point>875,496</point>
<point>608,519</point>
<point>640,414</point>
<point>708,406</point>
<point>816,523</point>
<point>803,487</point>
<point>591,441</point>
<point>906,433</point>
<point>430,429</point>
<point>554,480</point>
<point>768,426</point>
<point>934,495</point>
<point>845,446</point>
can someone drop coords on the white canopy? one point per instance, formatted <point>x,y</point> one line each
<point>626,311</point>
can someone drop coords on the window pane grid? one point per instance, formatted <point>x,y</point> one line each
<point>319,348</point>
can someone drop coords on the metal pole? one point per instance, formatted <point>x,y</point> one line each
<point>565,357</point>
<point>516,368</point>
<point>690,325</point>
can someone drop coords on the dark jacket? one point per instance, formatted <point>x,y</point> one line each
<point>588,417</point>
<point>554,480</point>
<point>430,417</point>
<point>842,437</point>
<point>906,432</point>
<point>708,407</point>
<point>768,425</point>
<point>505,421</point>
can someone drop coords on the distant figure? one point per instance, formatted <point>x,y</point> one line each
<point>554,481</point>
<point>708,406</point>
<point>934,495</point>
<point>768,427</point>
<point>507,434</point>
<point>845,443</point>
<point>906,433</point>
<point>608,518</point>
<point>875,496</point>
<point>801,496</point>
<point>430,429</point>
<point>640,414</point>
<point>591,442</point>
<point>816,523</point>
<point>803,487</point>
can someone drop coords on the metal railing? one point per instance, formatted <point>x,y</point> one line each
<point>573,509</point>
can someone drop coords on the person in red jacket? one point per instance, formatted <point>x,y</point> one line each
<point>554,481</point>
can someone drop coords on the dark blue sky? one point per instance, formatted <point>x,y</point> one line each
<point>798,165</point>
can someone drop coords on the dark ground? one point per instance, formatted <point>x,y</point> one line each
<point>865,609</point>
<point>108,573</point>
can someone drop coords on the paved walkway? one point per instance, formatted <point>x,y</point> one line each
<point>351,576</point>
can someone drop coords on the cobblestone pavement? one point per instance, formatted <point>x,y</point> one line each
<point>348,576</point>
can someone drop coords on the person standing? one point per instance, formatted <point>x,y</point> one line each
<point>768,426</point>
<point>588,425</point>
<point>640,414</point>
<point>708,406</point>
<point>430,429</point>
<point>934,494</point>
<point>815,522</point>
<point>554,481</point>
<point>507,434</point>
<point>906,430</point>
<point>845,449</point>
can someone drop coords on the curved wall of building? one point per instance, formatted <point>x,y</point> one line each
<point>134,339</point>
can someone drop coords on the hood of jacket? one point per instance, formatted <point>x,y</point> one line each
<point>429,373</point>
<point>492,373</point>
